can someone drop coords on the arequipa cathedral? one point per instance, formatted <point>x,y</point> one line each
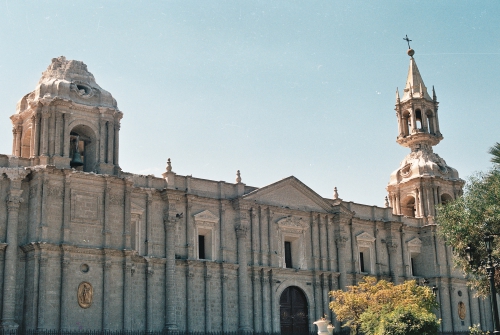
<point>84,245</point>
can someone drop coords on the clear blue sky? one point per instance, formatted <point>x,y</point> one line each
<point>272,88</point>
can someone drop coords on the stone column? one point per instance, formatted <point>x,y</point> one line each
<point>424,120</point>
<point>190,296</point>
<point>45,132</point>
<point>105,229</point>
<point>208,312</point>
<point>65,135</point>
<point>111,145</point>
<point>65,288</point>
<point>436,120</point>
<point>128,269</point>
<point>2,258</point>
<point>170,291</point>
<point>14,139</point>
<point>264,234</point>
<point>393,262</point>
<point>117,142</point>
<point>417,203</point>
<point>190,233</point>
<point>341,241</point>
<point>149,217</point>
<point>102,141</point>
<point>149,295</point>
<point>225,323</point>
<point>325,285</point>
<point>275,321</point>
<point>322,239</point>
<point>398,204</point>
<point>66,227</point>
<point>35,130</point>
<point>413,122</point>
<point>255,236</point>
<point>10,268</point>
<point>266,304</point>
<point>106,299</point>
<point>127,215</point>
<point>257,322</point>
<point>17,142</point>
<point>44,194</point>
<point>332,250</point>
<point>244,324</point>
<point>317,297</point>
<point>269,238</point>
<point>421,202</point>
<point>42,291</point>
<point>430,207</point>
<point>58,132</point>
<point>52,127</point>
<point>314,242</point>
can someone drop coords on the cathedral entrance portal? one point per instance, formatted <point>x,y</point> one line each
<point>293,311</point>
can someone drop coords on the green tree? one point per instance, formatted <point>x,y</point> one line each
<point>495,152</point>
<point>362,305</point>
<point>464,222</point>
<point>405,320</point>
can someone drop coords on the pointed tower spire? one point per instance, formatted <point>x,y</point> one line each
<point>397,95</point>
<point>414,82</point>
<point>433,93</point>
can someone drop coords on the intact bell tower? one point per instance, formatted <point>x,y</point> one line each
<point>423,179</point>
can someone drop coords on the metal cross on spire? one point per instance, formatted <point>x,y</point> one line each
<point>407,40</point>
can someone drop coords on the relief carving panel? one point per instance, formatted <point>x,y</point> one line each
<point>85,207</point>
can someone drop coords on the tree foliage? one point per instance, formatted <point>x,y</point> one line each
<point>495,152</point>
<point>405,320</point>
<point>464,222</point>
<point>362,305</point>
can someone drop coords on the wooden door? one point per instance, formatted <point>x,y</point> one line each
<point>293,311</point>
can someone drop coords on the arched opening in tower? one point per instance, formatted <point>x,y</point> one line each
<point>418,120</point>
<point>83,148</point>
<point>446,198</point>
<point>406,123</point>
<point>408,206</point>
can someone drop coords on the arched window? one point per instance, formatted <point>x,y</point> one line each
<point>418,119</point>
<point>408,206</point>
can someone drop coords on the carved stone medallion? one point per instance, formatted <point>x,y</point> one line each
<point>85,294</point>
<point>461,310</point>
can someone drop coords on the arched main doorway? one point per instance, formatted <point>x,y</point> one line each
<point>293,311</point>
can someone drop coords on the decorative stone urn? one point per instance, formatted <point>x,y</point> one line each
<point>322,326</point>
<point>330,329</point>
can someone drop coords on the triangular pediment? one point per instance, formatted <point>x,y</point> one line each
<point>206,216</point>
<point>289,193</point>
<point>136,209</point>
<point>364,236</point>
<point>416,242</point>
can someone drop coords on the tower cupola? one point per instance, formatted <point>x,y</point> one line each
<point>68,121</point>
<point>417,112</point>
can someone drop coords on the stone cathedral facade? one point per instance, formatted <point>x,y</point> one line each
<point>84,245</point>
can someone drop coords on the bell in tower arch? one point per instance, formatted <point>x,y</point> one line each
<point>83,148</point>
<point>76,159</point>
